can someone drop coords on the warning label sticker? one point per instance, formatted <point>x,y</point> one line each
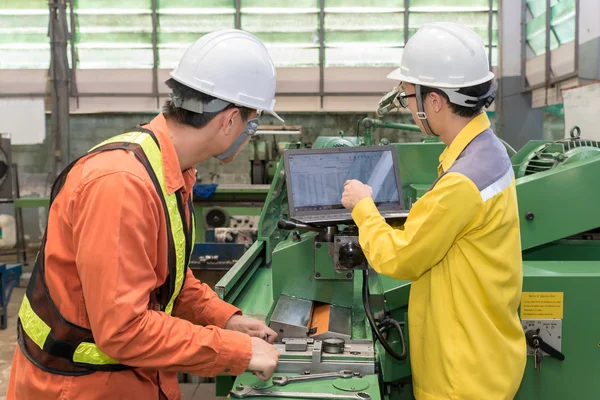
<point>542,305</point>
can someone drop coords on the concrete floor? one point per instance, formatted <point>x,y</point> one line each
<point>8,341</point>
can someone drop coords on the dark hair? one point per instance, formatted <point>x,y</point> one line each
<point>466,112</point>
<point>190,118</point>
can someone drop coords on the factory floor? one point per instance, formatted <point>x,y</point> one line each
<point>8,341</point>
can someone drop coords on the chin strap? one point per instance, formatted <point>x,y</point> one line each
<point>421,112</point>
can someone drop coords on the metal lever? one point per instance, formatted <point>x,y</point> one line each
<point>284,380</point>
<point>241,392</point>
<point>535,341</point>
<point>289,225</point>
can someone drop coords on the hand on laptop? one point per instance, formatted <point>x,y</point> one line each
<point>355,191</point>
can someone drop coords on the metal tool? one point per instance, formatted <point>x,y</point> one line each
<point>284,380</point>
<point>241,392</point>
<point>334,345</point>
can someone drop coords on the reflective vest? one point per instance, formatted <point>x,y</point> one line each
<point>58,346</point>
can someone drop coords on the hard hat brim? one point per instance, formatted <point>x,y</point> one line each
<point>397,75</point>
<point>273,113</point>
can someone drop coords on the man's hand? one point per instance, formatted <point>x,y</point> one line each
<point>355,191</point>
<point>251,327</point>
<point>264,359</point>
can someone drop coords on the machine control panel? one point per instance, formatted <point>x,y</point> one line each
<point>549,330</point>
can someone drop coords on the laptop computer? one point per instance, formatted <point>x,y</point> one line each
<point>315,182</point>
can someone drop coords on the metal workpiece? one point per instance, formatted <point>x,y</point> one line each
<point>291,317</point>
<point>284,380</point>
<point>296,344</point>
<point>241,392</point>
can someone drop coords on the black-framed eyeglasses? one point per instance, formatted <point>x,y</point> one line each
<point>403,98</point>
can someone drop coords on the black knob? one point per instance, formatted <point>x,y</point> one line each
<point>351,255</point>
<point>529,216</point>
<point>289,225</point>
<point>535,341</point>
<point>286,225</point>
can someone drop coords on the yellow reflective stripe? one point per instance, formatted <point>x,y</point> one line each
<point>89,353</point>
<point>193,238</point>
<point>154,157</point>
<point>36,329</point>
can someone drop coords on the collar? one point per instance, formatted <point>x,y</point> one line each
<point>175,179</point>
<point>477,125</point>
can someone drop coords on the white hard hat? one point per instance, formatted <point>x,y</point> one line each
<point>230,65</point>
<point>444,55</point>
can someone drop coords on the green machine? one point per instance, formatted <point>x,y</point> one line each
<point>342,327</point>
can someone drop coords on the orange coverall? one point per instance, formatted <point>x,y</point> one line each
<point>106,252</point>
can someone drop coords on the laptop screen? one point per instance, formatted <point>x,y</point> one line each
<point>316,177</point>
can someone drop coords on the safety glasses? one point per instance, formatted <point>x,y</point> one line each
<point>252,124</point>
<point>403,98</point>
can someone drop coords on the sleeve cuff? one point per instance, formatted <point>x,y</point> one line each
<point>363,209</point>
<point>234,354</point>
<point>218,312</point>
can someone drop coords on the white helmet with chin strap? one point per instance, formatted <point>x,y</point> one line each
<point>448,57</point>
<point>234,67</point>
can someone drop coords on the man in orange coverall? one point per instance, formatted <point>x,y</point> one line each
<point>112,311</point>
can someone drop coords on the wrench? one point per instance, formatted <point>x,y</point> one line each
<point>242,392</point>
<point>284,380</point>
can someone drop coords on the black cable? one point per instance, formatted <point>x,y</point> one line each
<point>387,322</point>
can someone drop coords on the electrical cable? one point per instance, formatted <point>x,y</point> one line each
<point>385,325</point>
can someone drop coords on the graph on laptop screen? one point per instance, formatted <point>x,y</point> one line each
<point>317,180</point>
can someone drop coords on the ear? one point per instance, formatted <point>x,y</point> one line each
<point>227,119</point>
<point>437,101</point>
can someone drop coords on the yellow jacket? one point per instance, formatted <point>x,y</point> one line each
<point>461,247</point>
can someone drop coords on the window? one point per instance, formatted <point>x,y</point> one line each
<point>24,42</point>
<point>116,34</point>
<point>562,24</point>
<point>289,29</point>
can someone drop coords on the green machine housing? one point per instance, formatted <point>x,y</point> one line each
<point>289,279</point>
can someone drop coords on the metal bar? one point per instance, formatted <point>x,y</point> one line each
<point>490,32</point>
<point>21,248</point>
<point>11,95</point>
<point>73,51</point>
<point>577,9</point>
<point>148,94</point>
<point>523,45</point>
<point>238,14</point>
<point>243,281</point>
<point>406,20</point>
<point>231,278</point>
<point>554,81</point>
<point>155,52</point>
<point>59,68</point>
<point>321,50</point>
<point>548,59</point>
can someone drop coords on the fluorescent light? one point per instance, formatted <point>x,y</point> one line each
<point>8,31</point>
<point>361,10</point>
<point>12,11</point>
<point>112,11</point>
<point>270,10</point>
<point>196,11</point>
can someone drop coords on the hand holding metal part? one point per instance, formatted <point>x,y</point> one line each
<point>284,380</point>
<point>242,392</point>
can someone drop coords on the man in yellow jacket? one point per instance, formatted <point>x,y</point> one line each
<point>460,245</point>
